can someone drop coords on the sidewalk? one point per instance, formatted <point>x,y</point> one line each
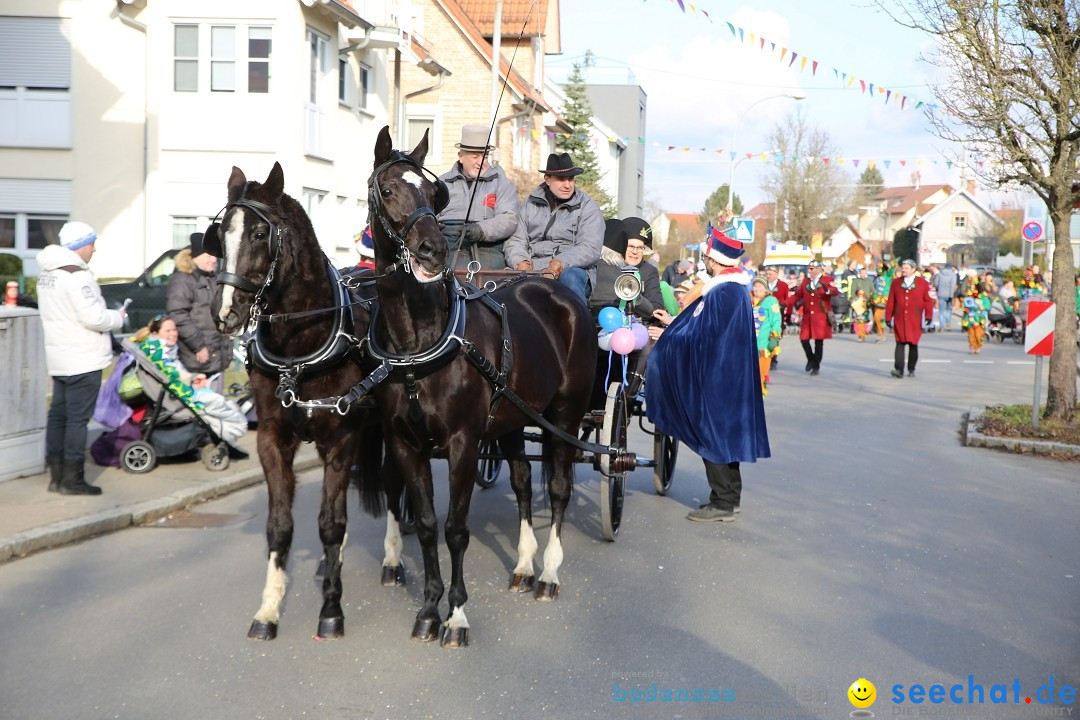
<point>32,519</point>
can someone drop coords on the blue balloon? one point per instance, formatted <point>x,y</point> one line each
<point>610,318</point>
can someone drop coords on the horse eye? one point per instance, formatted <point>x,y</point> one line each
<point>386,192</point>
<point>260,234</point>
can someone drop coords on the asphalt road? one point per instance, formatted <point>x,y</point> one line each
<point>871,545</point>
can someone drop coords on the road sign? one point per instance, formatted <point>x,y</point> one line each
<point>1039,329</point>
<point>744,229</point>
<point>1032,231</point>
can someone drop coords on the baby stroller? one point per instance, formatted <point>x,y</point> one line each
<point>168,425</point>
<point>841,308</point>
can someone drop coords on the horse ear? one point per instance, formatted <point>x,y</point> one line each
<point>237,181</point>
<point>275,181</point>
<point>420,151</point>
<point>383,146</point>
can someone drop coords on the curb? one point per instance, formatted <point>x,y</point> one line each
<point>69,531</point>
<point>1021,446</point>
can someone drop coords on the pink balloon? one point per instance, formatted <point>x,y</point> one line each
<point>641,335</point>
<point>622,341</point>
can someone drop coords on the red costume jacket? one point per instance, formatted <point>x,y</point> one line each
<point>909,306</point>
<point>781,293</point>
<point>816,304</point>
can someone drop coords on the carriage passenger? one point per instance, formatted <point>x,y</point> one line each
<point>621,253</point>
<point>481,196</point>
<point>560,229</point>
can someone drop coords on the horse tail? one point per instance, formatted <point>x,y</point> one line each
<point>372,499</point>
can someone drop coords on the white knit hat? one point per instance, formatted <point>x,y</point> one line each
<point>75,235</point>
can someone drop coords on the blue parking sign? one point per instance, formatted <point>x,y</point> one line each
<point>744,229</point>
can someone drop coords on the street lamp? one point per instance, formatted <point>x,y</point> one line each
<point>794,95</point>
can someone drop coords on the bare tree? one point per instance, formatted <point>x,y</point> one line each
<point>803,182</point>
<point>1013,93</point>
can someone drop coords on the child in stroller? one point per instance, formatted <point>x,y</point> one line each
<point>841,308</point>
<point>177,411</point>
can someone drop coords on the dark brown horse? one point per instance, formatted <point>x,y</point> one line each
<point>277,282</point>
<point>438,402</point>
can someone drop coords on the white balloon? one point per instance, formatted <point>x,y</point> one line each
<point>604,341</point>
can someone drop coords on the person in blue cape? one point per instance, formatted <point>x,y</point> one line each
<point>703,382</point>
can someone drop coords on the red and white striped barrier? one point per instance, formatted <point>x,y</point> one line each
<point>1039,330</point>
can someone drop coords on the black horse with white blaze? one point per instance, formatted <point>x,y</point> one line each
<point>303,354</point>
<point>459,368</point>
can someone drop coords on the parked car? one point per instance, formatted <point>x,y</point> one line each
<point>148,292</point>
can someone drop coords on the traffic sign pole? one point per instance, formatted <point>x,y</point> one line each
<point>1039,341</point>
<point>1038,392</point>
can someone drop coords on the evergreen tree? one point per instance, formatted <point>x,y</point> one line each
<point>578,114</point>
<point>871,184</point>
<point>716,205</point>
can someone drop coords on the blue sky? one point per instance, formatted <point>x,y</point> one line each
<point>699,79</point>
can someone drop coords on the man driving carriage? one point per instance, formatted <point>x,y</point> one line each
<point>560,229</point>
<point>482,198</point>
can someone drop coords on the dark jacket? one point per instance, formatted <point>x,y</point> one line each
<point>190,293</point>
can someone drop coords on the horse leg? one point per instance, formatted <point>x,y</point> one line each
<point>333,516</point>
<point>276,456</point>
<point>417,473</point>
<point>513,450</point>
<point>393,572</point>
<point>560,484</point>
<point>463,453</point>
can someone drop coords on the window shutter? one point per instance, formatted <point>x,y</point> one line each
<point>35,53</point>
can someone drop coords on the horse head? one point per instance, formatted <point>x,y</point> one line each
<point>248,240</point>
<point>401,198</point>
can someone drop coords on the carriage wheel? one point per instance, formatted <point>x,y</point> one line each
<point>138,457</point>
<point>215,457</point>
<point>665,452</point>
<point>487,470</point>
<point>612,434</point>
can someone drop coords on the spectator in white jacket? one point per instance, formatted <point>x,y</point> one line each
<point>76,323</point>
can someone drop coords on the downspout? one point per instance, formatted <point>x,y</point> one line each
<point>358,46</point>
<point>146,123</point>
<point>405,102</point>
<point>530,107</point>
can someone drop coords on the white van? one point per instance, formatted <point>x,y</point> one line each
<point>788,257</point>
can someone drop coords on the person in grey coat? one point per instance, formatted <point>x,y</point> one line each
<point>945,283</point>
<point>191,290</point>
<point>560,229</point>
<point>482,199</point>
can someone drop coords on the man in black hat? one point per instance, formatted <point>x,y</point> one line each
<point>482,198</point>
<point>560,229</point>
<point>191,290</point>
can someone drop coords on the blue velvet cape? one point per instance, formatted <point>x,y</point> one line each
<point>703,382</point>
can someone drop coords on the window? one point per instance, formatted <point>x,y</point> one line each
<point>229,54</point>
<point>35,82</point>
<point>353,85</point>
<point>959,221</point>
<point>417,127</point>
<point>320,95</point>
<point>364,73</point>
<point>318,62</point>
<point>24,231</point>
<point>182,227</point>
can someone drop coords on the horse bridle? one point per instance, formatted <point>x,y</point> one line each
<point>402,259</point>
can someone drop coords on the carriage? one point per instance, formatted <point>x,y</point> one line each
<point>615,406</point>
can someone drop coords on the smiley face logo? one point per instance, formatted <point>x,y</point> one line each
<point>862,693</point>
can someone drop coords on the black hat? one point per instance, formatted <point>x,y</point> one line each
<point>560,165</point>
<point>615,235</point>
<point>638,228</point>
<point>196,244</point>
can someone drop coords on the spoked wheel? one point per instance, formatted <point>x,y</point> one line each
<point>216,457</point>
<point>612,486</point>
<point>665,452</point>
<point>138,457</point>
<point>487,470</point>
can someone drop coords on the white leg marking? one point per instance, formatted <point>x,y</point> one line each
<point>552,559</point>
<point>527,547</point>
<point>457,619</point>
<point>273,592</point>
<point>392,543</point>
<point>341,550</point>
<point>232,237</point>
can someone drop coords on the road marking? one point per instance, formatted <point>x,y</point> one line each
<point>978,362</point>
<point>1020,362</point>
<point>936,361</point>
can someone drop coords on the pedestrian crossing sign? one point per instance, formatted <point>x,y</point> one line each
<point>744,229</point>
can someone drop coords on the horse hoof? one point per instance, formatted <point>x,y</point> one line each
<point>262,630</point>
<point>455,637</point>
<point>393,576</point>
<point>521,583</point>
<point>331,627</point>
<point>426,629</point>
<point>546,592</point>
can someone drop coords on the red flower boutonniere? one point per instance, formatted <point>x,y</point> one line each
<point>489,201</point>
